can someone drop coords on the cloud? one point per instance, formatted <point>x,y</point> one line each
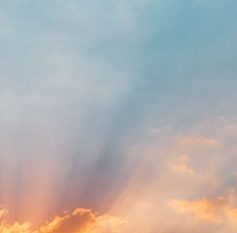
<point>197,140</point>
<point>3,212</point>
<point>81,82</point>
<point>80,220</point>
<point>219,210</point>
<point>181,165</point>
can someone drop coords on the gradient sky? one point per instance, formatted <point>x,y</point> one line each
<point>118,116</point>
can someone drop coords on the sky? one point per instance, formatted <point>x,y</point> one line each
<point>118,116</point>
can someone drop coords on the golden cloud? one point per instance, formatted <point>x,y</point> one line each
<point>214,210</point>
<point>79,221</point>
<point>3,212</point>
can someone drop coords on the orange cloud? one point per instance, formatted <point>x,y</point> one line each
<point>3,212</point>
<point>79,221</point>
<point>204,208</point>
<point>16,228</point>
<point>217,210</point>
